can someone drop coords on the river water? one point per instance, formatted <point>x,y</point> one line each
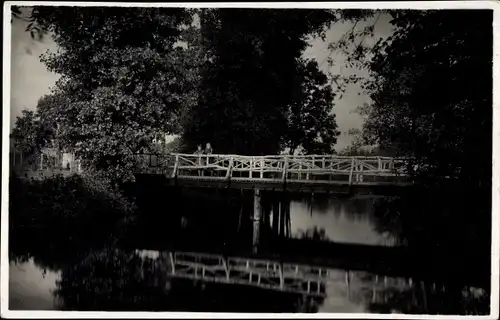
<point>119,279</point>
<point>342,220</point>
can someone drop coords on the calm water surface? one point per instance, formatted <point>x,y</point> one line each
<point>342,220</point>
<point>115,280</point>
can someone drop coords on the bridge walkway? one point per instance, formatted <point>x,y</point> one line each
<point>309,172</point>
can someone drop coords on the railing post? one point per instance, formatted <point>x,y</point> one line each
<point>176,166</point>
<point>207,165</point>
<point>229,169</point>
<point>307,173</point>
<point>262,167</point>
<point>352,169</point>
<point>359,176</point>
<point>285,167</point>
<point>202,164</point>
<point>250,175</point>
<point>300,169</point>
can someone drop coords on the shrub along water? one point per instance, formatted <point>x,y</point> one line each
<point>65,216</point>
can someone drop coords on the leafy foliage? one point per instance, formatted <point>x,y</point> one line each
<point>254,83</point>
<point>431,99</point>
<point>123,80</point>
<point>311,123</point>
<point>244,89</point>
<point>431,92</point>
<point>30,133</point>
<point>58,214</point>
<point>27,14</point>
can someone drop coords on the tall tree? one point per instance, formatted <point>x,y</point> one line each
<point>28,133</point>
<point>311,122</point>
<point>431,100</point>
<point>431,92</point>
<point>252,75</point>
<point>123,79</point>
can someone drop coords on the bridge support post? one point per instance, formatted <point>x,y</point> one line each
<point>284,223</point>
<point>257,214</point>
<point>276,216</point>
<point>282,218</point>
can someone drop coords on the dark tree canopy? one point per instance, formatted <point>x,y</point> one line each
<point>311,122</point>
<point>26,133</point>
<point>236,80</point>
<point>431,100</point>
<point>32,132</point>
<point>432,92</point>
<point>253,82</point>
<point>124,79</point>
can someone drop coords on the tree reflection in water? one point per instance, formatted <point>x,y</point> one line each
<point>112,280</point>
<point>424,298</point>
<point>418,300</point>
<point>315,234</point>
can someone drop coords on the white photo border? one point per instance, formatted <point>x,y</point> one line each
<point>422,5</point>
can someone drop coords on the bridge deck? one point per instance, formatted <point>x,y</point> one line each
<point>277,172</point>
<point>300,173</point>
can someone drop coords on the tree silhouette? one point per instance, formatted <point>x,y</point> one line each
<point>254,84</point>
<point>431,100</point>
<point>117,90</point>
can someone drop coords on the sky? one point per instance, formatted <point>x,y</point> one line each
<point>30,80</point>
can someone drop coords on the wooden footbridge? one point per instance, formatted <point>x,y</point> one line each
<point>301,173</point>
<point>306,173</point>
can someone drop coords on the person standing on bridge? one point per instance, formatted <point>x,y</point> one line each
<point>208,152</point>
<point>199,152</point>
<point>208,148</point>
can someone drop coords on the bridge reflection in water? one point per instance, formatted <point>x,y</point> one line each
<point>293,278</point>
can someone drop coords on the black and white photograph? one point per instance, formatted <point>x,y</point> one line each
<point>250,159</point>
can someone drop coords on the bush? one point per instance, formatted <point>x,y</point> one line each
<point>65,215</point>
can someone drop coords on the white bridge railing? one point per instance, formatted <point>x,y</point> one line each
<point>313,168</point>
